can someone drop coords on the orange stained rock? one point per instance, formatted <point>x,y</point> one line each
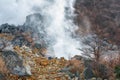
<point>35,50</point>
<point>3,68</point>
<point>6,36</point>
<point>43,50</point>
<point>17,49</point>
<point>66,78</point>
<point>44,63</point>
<point>31,78</point>
<point>62,59</point>
<point>47,77</point>
<point>53,72</point>
<point>58,78</point>
<point>41,61</point>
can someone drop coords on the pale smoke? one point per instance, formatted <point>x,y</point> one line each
<point>61,28</point>
<point>59,15</point>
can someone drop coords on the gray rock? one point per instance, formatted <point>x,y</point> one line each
<point>78,57</point>
<point>88,73</point>
<point>14,63</point>
<point>37,45</point>
<point>35,24</point>
<point>20,41</point>
<point>6,28</point>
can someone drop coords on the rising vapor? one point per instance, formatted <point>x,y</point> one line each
<point>58,23</point>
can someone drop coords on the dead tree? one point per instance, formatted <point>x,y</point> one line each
<point>93,50</point>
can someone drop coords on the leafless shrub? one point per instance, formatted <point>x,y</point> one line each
<point>111,61</point>
<point>95,50</point>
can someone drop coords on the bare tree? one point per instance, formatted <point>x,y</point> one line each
<point>94,49</point>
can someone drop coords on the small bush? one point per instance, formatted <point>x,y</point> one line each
<point>117,71</point>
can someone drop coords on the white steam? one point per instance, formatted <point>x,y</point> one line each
<point>59,21</point>
<point>61,27</point>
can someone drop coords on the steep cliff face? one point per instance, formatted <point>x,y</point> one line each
<point>103,16</point>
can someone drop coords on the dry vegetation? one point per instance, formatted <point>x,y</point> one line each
<point>41,67</point>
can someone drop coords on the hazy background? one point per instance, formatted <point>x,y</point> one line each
<point>15,11</point>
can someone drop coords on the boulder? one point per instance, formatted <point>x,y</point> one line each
<point>33,19</point>
<point>78,57</point>
<point>88,73</point>
<point>14,64</point>
<point>35,23</point>
<point>37,45</point>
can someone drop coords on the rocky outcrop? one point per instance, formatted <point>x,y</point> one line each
<point>2,77</point>
<point>35,23</point>
<point>10,29</point>
<point>33,30</point>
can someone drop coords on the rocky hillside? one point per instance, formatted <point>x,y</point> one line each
<point>103,17</point>
<point>23,48</point>
<point>25,64</point>
<point>23,58</point>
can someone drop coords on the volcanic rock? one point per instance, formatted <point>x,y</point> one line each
<point>20,41</point>
<point>6,28</point>
<point>14,63</point>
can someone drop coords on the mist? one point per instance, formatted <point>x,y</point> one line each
<point>15,11</point>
